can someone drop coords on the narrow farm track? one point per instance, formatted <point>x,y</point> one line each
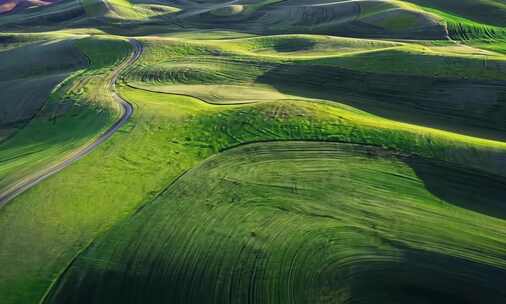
<point>126,112</point>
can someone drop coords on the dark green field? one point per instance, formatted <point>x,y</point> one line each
<point>253,151</point>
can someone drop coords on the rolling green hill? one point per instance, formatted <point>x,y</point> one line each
<point>410,83</point>
<point>363,18</point>
<point>63,12</point>
<point>56,121</point>
<point>490,12</point>
<point>279,151</point>
<point>33,71</point>
<point>312,223</point>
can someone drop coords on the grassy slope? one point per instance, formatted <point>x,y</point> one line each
<point>428,85</point>
<point>490,12</point>
<point>302,45</point>
<point>350,18</point>
<point>468,19</point>
<point>303,121</point>
<point>63,12</point>
<point>75,113</point>
<point>166,136</point>
<point>10,41</point>
<point>75,14</point>
<point>141,9</point>
<point>29,74</point>
<point>302,223</point>
<point>175,133</point>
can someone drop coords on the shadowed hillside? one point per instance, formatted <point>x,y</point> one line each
<point>35,70</point>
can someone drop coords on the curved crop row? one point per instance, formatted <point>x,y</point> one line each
<point>295,222</point>
<point>417,85</point>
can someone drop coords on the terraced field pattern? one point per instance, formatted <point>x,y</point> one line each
<point>252,151</point>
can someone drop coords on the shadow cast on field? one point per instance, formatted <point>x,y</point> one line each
<point>462,187</point>
<point>470,107</point>
<point>402,275</point>
<point>422,276</point>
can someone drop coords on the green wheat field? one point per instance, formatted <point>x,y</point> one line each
<point>253,151</point>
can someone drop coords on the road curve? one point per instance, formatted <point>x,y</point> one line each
<point>126,112</point>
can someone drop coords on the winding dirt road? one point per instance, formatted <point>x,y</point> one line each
<point>126,112</point>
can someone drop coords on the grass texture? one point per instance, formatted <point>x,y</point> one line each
<point>29,74</point>
<point>299,222</point>
<point>75,112</point>
<point>267,160</point>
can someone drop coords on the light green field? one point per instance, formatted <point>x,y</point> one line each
<point>297,151</point>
